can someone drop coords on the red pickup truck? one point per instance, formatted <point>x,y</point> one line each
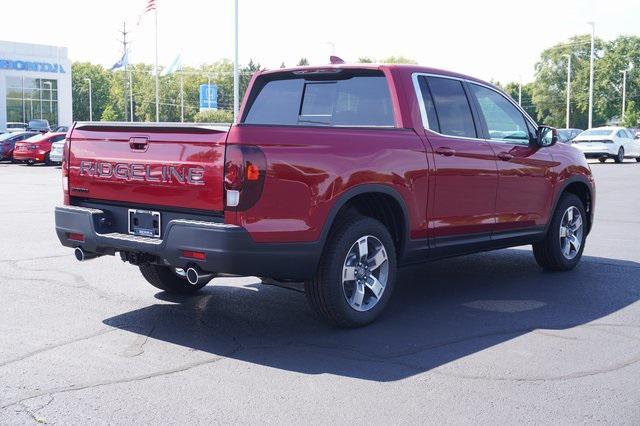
<point>334,176</point>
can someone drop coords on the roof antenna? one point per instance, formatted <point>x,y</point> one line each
<point>336,60</point>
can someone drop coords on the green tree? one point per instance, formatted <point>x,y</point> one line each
<point>527,96</point>
<point>100,88</point>
<point>631,115</point>
<point>398,60</point>
<point>365,60</point>
<point>217,116</point>
<point>303,62</point>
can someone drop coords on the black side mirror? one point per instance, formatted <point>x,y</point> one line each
<point>546,136</point>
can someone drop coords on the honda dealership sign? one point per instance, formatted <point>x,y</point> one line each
<point>208,97</point>
<point>9,64</point>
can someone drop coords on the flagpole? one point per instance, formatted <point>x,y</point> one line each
<point>156,69</point>
<point>236,86</point>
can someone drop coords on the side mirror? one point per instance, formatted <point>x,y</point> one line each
<point>546,136</point>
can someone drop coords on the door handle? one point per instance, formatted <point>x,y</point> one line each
<point>446,151</point>
<point>505,156</point>
<point>138,144</point>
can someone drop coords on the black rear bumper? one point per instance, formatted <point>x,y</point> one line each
<point>228,248</point>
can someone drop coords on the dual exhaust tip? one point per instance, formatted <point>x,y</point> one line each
<point>194,275</point>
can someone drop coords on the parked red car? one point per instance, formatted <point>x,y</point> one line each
<point>36,149</point>
<point>333,175</point>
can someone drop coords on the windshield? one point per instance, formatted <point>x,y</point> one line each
<point>564,135</point>
<point>596,132</point>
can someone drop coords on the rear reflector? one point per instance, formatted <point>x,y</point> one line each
<point>198,255</point>
<point>75,237</point>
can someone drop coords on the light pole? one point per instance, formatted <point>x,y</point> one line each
<point>88,80</point>
<point>236,69</point>
<point>593,36</point>
<point>568,88</point>
<point>624,89</point>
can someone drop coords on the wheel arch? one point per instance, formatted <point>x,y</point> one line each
<point>583,189</point>
<point>392,211</point>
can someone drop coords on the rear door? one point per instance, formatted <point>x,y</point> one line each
<point>525,170</point>
<point>466,178</point>
<point>148,165</point>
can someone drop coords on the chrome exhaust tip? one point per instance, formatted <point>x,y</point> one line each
<point>82,255</point>
<point>196,277</point>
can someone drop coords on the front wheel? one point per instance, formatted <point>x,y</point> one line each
<point>620,157</point>
<point>171,280</point>
<point>562,247</point>
<point>356,275</point>
<point>638,159</point>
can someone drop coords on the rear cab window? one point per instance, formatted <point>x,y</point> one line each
<point>343,98</point>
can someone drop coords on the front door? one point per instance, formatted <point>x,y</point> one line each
<point>525,170</point>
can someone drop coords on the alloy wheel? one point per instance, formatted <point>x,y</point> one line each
<point>571,232</point>
<point>365,273</point>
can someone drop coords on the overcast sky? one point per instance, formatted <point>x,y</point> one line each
<point>490,39</point>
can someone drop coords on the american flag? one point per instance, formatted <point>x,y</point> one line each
<point>151,5</point>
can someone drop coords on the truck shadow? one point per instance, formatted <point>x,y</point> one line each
<point>441,312</point>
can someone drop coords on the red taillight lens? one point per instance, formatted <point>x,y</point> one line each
<point>75,236</point>
<point>245,170</point>
<point>197,255</point>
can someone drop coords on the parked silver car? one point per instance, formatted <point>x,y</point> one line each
<point>57,150</point>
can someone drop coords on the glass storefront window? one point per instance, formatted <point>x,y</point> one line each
<point>31,98</point>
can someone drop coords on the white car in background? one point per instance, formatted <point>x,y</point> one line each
<point>608,142</point>
<point>56,154</point>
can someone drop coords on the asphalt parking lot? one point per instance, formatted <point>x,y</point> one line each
<point>488,338</point>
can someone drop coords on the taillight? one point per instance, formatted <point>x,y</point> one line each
<point>244,174</point>
<point>65,171</point>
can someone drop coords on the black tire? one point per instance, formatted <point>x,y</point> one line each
<point>47,160</point>
<point>620,157</point>
<point>602,160</point>
<point>638,159</point>
<point>164,278</point>
<point>548,252</point>
<point>325,292</point>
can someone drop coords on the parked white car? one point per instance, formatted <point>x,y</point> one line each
<point>57,149</point>
<point>608,142</point>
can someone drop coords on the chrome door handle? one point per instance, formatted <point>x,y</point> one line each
<point>446,151</point>
<point>505,156</point>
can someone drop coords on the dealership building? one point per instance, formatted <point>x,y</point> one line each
<point>35,82</point>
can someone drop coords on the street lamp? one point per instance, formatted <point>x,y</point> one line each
<point>88,80</point>
<point>624,88</point>
<point>568,88</point>
<point>593,36</point>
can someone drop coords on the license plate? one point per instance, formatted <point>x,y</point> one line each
<point>144,223</point>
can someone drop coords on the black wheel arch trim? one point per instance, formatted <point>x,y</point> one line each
<point>564,185</point>
<point>351,193</point>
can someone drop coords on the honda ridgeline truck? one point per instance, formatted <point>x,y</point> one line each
<point>334,176</point>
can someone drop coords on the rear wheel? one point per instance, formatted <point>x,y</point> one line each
<point>638,159</point>
<point>562,247</point>
<point>171,280</point>
<point>356,275</point>
<point>620,157</point>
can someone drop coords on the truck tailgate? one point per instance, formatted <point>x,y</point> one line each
<point>154,165</point>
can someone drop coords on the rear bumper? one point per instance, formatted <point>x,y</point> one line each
<point>28,156</point>
<point>228,248</point>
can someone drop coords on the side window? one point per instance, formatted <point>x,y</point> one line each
<point>429,107</point>
<point>504,121</point>
<point>621,134</point>
<point>452,107</point>
<point>58,138</point>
